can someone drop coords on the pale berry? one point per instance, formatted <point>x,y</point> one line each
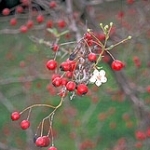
<point>15,116</point>
<point>51,64</point>
<point>52,148</point>
<point>25,124</point>
<point>6,11</point>
<point>40,18</point>
<point>117,65</point>
<point>82,89</point>
<point>13,21</point>
<point>92,57</point>
<point>71,85</point>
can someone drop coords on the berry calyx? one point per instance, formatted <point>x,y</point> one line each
<point>51,64</point>
<point>82,89</point>
<point>52,148</point>
<point>117,65</point>
<point>71,85</point>
<point>92,57</point>
<point>15,116</point>
<point>25,124</point>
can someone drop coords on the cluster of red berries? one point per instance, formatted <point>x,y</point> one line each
<point>36,16</point>
<point>41,141</point>
<point>142,135</point>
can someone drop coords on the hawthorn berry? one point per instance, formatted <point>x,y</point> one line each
<point>64,66</point>
<point>19,9</point>
<point>55,47</point>
<point>82,89</point>
<point>64,81</point>
<point>52,148</point>
<point>61,23</point>
<point>87,36</point>
<point>71,85</point>
<point>117,65</point>
<point>140,135</point>
<point>40,18</point>
<point>49,24</point>
<point>23,29</point>
<point>13,21</point>
<point>29,24</point>
<point>47,141</point>
<point>52,4</point>
<point>57,81</point>
<point>40,141</point>
<point>6,11</point>
<point>92,57</point>
<point>15,116</point>
<point>69,74</point>
<point>25,124</point>
<point>51,64</point>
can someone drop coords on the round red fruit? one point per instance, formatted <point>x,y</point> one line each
<point>6,11</point>
<point>15,116</point>
<point>61,23</point>
<point>13,21</point>
<point>92,57</point>
<point>40,18</point>
<point>52,4</point>
<point>57,81</point>
<point>51,64</point>
<point>19,9</point>
<point>46,141</point>
<point>55,47</point>
<point>29,24</point>
<point>23,29</point>
<point>117,65</point>
<point>52,148</point>
<point>40,141</point>
<point>82,89</point>
<point>49,24</point>
<point>25,124</point>
<point>71,85</point>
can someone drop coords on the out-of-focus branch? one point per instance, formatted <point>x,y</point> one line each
<point>5,147</point>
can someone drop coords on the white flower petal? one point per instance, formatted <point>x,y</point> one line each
<point>104,79</point>
<point>98,82</point>
<point>96,72</point>
<point>102,73</point>
<point>92,79</point>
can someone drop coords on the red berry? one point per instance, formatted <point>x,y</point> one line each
<point>130,1</point>
<point>64,81</point>
<point>19,9</point>
<point>40,18</point>
<point>49,24</point>
<point>25,124</point>
<point>61,23</point>
<point>92,57</point>
<point>6,11</point>
<point>40,141</point>
<point>51,64</point>
<point>55,47</point>
<point>87,36</point>
<point>148,88</point>
<point>65,66</point>
<point>82,89</point>
<point>47,141</point>
<point>54,76</point>
<point>15,116</point>
<point>13,21</point>
<point>52,4</point>
<point>117,65</point>
<point>29,24</point>
<point>57,81</point>
<point>71,85</point>
<point>23,29</point>
<point>69,74</point>
<point>140,135</point>
<point>52,148</point>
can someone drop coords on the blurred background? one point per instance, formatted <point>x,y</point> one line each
<point>114,116</point>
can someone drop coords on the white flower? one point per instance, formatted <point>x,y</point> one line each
<point>98,77</point>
